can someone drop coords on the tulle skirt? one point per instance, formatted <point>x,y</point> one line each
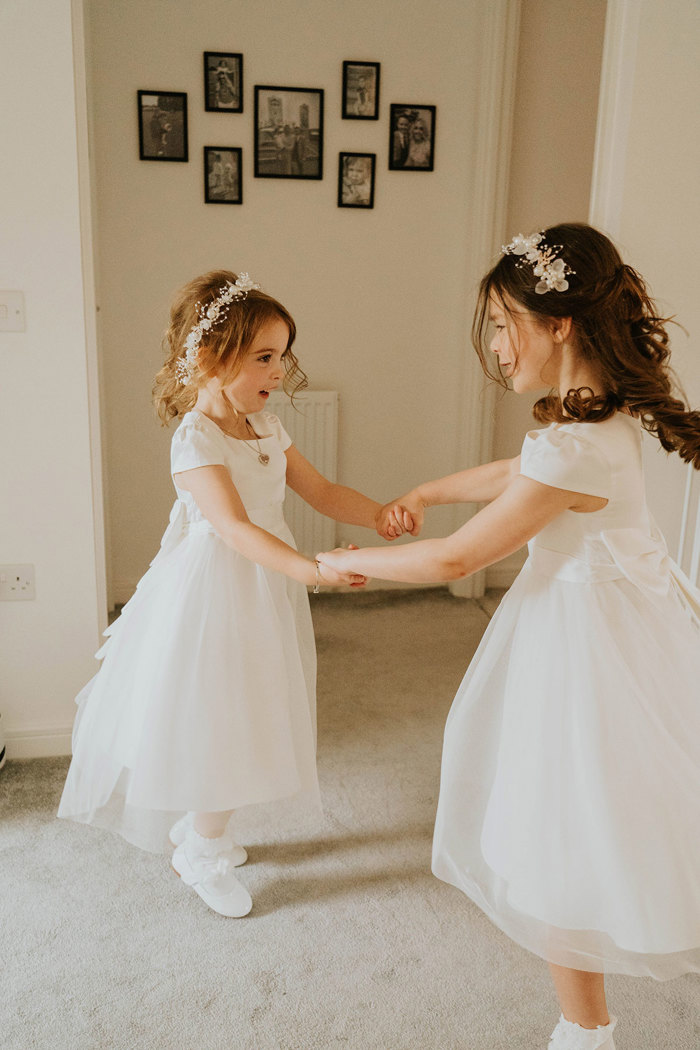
<point>569,799</point>
<point>205,699</point>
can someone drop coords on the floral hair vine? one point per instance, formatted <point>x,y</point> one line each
<point>552,271</point>
<point>210,316</point>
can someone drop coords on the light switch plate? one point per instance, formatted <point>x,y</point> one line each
<point>12,312</point>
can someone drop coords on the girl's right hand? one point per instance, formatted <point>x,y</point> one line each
<point>402,515</point>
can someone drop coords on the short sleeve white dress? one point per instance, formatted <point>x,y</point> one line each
<point>570,794</point>
<point>205,699</point>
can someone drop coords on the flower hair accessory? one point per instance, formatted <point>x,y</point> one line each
<point>552,271</point>
<point>210,316</point>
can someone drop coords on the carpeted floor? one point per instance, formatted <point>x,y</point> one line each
<point>351,943</point>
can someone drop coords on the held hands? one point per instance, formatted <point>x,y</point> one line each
<point>403,515</point>
<point>336,564</point>
<point>333,575</point>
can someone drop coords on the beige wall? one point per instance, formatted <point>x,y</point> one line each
<point>554,128</point>
<point>46,474</point>
<point>378,296</point>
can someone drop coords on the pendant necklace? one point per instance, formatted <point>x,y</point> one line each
<point>262,456</point>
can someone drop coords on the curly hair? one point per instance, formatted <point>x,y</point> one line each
<point>617,328</point>
<point>223,348</point>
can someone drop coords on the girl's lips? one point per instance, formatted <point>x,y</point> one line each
<point>264,393</point>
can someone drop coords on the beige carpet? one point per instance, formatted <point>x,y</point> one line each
<point>351,943</point>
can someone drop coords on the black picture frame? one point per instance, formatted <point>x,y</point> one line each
<point>223,175</point>
<point>407,152</point>
<point>162,125</point>
<point>288,129</point>
<point>354,192</point>
<point>223,82</point>
<point>361,90</point>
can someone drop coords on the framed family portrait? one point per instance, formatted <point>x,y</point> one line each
<point>162,125</point>
<point>223,82</point>
<point>288,133</point>
<point>223,179</point>
<point>412,138</point>
<point>356,180</point>
<point>361,90</point>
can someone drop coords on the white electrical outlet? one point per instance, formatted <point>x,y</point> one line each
<point>17,583</point>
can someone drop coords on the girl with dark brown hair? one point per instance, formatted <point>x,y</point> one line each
<point>570,790</point>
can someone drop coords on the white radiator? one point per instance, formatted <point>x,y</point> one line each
<point>312,424</point>
<point>689,542</point>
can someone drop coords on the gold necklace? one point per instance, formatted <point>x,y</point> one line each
<point>262,456</point>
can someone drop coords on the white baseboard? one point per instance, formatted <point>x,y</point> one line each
<point>390,585</point>
<point>46,742</point>
<point>504,572</point>
<point>121,591</point>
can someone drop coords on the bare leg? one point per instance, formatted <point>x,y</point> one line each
<point>211,825</point>
<point>581,996</point>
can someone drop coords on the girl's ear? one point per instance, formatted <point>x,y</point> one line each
<point>561,328</point>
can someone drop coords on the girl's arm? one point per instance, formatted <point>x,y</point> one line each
<point>335,501</point>
<point>218,500</point>
<point>476,485</point>
<point>501,528</point>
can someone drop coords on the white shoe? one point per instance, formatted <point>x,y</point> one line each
<point>178,834</point>
<point>205,865</point>
<point>570,1036</point>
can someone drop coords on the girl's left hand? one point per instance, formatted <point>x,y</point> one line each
<point>335,573</point>
<point>335,561</point>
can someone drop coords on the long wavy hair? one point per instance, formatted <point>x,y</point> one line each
<point>616,326</point>
<point>223,347</point>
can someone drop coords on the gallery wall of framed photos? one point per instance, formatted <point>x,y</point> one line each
<point>370,261</point>
<point>288,131</point>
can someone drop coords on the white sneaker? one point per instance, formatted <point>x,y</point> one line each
<point>570,1036</point>
<point>178,834</point>
<point>205,865</point>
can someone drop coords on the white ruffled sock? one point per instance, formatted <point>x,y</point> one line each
<point>570,1036</point>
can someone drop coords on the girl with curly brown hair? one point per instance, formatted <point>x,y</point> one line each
<point>205,701</point>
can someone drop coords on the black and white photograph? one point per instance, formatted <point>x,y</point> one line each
<point>412,138</point>
<point>222,175</point>
<point>223,82</point>
<point>288,133</point>
<point>356,180</point>
<point>361,90</point>
<point>162,125</point>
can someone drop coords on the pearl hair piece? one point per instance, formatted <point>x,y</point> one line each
<point>210,316</point>
<point>551,270</point>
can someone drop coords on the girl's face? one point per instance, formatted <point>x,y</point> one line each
<point>526,349</point>
<point>356,172</point>
<point>262,369</point>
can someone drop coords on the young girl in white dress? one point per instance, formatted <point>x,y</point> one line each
<point>569,804</point>
<point>205,701</point>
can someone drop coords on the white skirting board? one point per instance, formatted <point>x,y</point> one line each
<point>503,573</point>
<point>46,742</point>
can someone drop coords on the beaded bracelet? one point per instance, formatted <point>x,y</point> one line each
<point>317,585</point>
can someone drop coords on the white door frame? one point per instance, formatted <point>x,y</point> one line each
<point>85,184</point>
<point>492,168</point>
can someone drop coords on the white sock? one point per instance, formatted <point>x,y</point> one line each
<point>570,1036</point>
